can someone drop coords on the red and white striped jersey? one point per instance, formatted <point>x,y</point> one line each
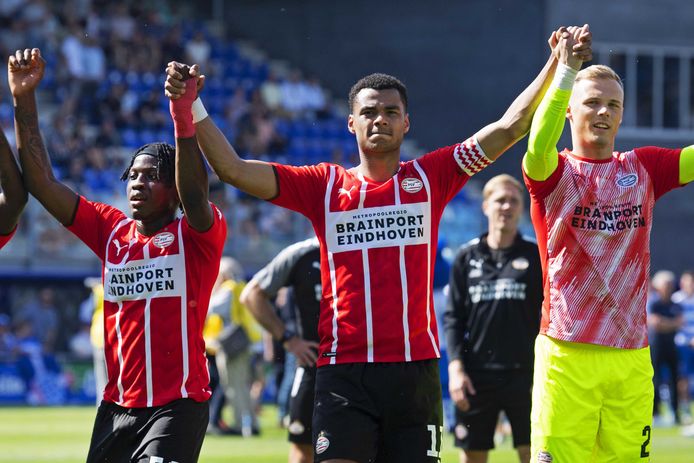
<point>156,293</point>
<point>378,244</point>
<point>593,221</point>
<point>4,239</point>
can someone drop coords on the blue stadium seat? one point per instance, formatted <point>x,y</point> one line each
<point>130,138</point>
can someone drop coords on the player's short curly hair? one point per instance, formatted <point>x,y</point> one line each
<point>378,81</point>
<point>164,153</point>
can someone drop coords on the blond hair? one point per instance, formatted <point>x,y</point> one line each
<point>599,71</point>
<point>503,179</point>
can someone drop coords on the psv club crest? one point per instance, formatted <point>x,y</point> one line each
<point>628,180</point>
<point>163,239</point>
<point>411,185</point>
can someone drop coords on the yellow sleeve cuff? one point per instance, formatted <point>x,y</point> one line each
<point>687,165</point>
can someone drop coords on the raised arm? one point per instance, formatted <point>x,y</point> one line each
<point>541,159</point>
<point>25,71</point>
<point>14,196</point>
<point>191,172</point>
<point>499,136</point>
<point>256,178</point>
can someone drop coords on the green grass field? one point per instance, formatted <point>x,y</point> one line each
<point>61,434</point>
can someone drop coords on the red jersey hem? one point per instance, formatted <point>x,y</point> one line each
<point>586,340</point>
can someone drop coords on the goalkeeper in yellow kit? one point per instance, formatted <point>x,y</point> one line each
<point>592,210</point>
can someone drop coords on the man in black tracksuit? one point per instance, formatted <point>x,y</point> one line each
<point>491,321</point>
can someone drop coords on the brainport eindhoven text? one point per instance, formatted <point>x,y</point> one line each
<point>379,229</point>
<point>593,218</point>
<point>139,281</point>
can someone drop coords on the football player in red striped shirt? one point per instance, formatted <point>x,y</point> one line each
<point>158,272</point>
<point>378,392</point>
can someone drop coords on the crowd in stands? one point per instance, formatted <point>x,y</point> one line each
<point>102,98</point>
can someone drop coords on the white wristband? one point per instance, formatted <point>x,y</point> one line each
<point>198,110</point>
<point>564,77</point>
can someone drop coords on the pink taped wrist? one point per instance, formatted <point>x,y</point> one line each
<point>181,111</point>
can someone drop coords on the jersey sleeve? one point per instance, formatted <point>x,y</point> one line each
<point>93,224</point>
<point>4,239</point>
<point>541,159</point>
<point>452,166</point>
<point>301,189</point>
<point>209,243</point>
<point>456,314</point>
<point>539,189</point>
<point>277,273</point>
<point>663,167</point>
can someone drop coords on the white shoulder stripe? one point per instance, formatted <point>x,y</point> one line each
<point>184,317</point>
<point>427,187</point>
<point>331,266</point>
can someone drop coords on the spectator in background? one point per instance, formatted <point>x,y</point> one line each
<point>120,104</point>
<point>236,332</point>
<point>98,175</point>
<point>210,332</point>
<point>198,49</point>
<point>8,341</point>
<point>685,341</point>
<point>93,73</point>
<point>121,23</point>
<point>107,136</point>
<point>73,53</point>
<point>170,44</point>
<point>92,313</point>
<point>39,369</point>
<point>149,113</point>
<point>41,315</point>
<point>664,320</point>
<point>271,92</point>
<point>237,107</point>
<point>491,322</point>
<point>316,100</point>
<point>295,95</point>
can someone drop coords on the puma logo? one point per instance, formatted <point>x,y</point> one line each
<point>119,246</point>
<point>347,192</point>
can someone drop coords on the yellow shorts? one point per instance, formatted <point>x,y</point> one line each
<point>590,403</point>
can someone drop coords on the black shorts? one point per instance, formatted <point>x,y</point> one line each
<point>509,391</point>
<point>378,412</point>
<point>171,432</point>
<point>301,405</point>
